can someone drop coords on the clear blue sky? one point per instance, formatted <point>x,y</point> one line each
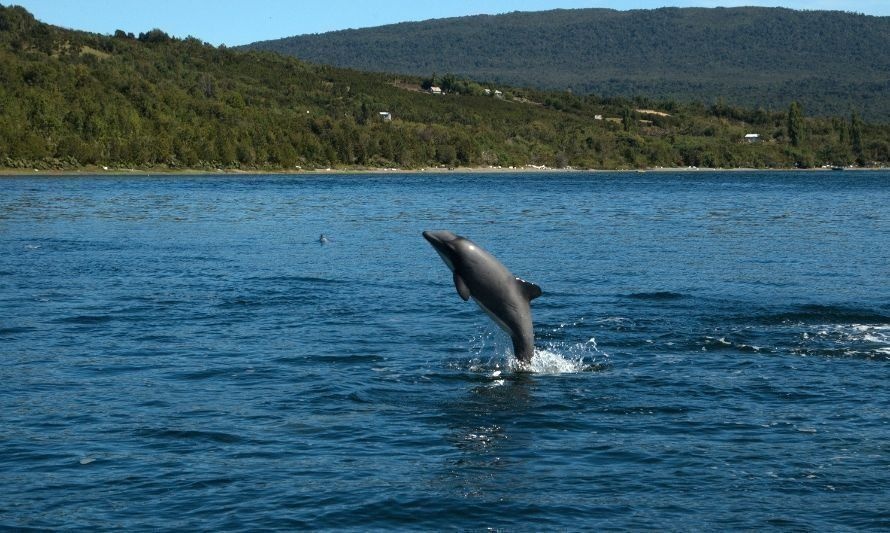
<point>234,22</point>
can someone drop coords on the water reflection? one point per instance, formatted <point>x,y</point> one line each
<point>490,438</point>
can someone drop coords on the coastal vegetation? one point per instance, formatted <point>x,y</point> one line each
<point>830,62</point>
<point>71,99</point>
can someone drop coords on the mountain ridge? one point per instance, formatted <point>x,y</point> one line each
<point>75,100</point>
<point>830,61</point>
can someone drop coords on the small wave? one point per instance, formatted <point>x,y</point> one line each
<point>869,341</point>
<point>176,434</point>
<point>15,330</point>
<point>825,314</point>
<point>199,375</point>
<point>658,295</point>
<point>240,303</point>
<point>85,319</point>
<point>315,280</point>
<point>858,341</point>
<point>709,343</point>
<point>349,359</point>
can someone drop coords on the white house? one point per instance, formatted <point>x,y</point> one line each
<point>435,90</point>
<point>752,137</point>
<point>386,116</point>
<point>498,94</point>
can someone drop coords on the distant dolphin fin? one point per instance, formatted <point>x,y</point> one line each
<point>461,287</point>
<point>529,289</point>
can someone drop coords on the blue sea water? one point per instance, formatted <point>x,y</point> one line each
<point>713,352</point>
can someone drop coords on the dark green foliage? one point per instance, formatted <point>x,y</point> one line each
<point>828,61</point>
<point>72,99</point>
<point>856,136</point>
<point>795,124</point>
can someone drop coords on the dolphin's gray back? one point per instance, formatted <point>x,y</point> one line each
<point>504,297</point>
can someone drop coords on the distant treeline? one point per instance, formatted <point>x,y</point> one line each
<point>831,62</point>
<point>70,99</point>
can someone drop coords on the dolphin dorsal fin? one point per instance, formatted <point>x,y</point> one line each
<point>529,289</point>
<point>461,287</point>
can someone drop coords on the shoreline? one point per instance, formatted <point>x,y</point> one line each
<point>104,171</point>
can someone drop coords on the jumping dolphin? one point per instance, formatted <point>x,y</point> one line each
<point>503,296</point>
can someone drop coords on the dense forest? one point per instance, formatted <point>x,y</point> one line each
<point>72,99</point>
<point>830,62</point>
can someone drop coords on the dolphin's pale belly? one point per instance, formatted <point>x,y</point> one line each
<point>495,318</point>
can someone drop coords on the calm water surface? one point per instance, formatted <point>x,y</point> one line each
<point>181,352</point>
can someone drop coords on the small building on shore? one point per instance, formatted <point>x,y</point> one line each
<point>386,116</point>
<point>435,90</point>
<point>752,138</point>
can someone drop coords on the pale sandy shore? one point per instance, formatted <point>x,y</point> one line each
<point>161,171</point>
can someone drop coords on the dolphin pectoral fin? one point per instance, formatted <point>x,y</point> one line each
<point>461,287</point>
<point>529,289</point>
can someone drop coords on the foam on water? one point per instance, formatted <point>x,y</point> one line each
<point>855,340</point>
<point>821,339</point>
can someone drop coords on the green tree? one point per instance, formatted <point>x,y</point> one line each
<point>795,124</point>
<point>429,82</point>
<point>627,118</point>
<point>856,135</point>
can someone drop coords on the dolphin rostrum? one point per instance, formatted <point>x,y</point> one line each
<point>503,296</point>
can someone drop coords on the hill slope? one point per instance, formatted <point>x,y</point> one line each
<point>70,99</point>
<point>831,62</point>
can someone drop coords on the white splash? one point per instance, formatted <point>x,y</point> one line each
<point>869,340</point>
<point>492,352</point>
<point>559,358</point>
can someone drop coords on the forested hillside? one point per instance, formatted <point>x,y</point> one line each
<point>831,62</point>
<point>71,99</point>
